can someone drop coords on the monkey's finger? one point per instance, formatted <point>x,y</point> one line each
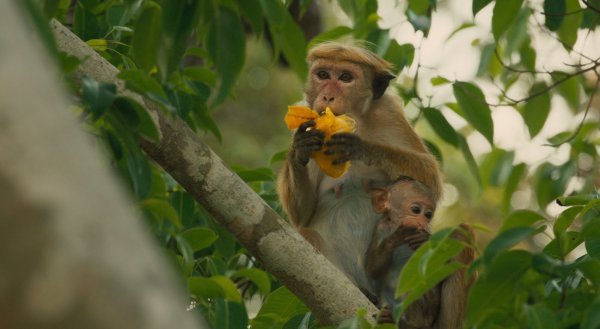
<point>305,125</point>
<point>340,160</point>
<point>341,139</point>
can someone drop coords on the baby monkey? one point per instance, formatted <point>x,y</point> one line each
<point>408,208</point>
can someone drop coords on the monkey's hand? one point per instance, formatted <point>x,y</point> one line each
<point>399,237</point>
<point>345,147</point>
<point>415,240</point>
<point>307,140</point>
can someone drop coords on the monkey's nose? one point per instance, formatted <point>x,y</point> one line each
<point>328,99</point>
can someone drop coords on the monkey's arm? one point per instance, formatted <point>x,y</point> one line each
<point>456,287</point>
<point>297,185</point>
<point>394,161</point>
<point>379,255</point>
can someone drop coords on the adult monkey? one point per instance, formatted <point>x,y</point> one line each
<point>335,214</point>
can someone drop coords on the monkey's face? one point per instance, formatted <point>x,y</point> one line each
<point>410,208</point>
<point>343,86</point>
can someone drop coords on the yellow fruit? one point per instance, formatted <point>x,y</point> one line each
<point>329,124</point>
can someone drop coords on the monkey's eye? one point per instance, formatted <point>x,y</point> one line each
<point>323,75</point>
<point>428,214</point>
<point>416,209</point>
<point>346,77</point>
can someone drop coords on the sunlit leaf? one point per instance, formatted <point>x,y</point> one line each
<point>279,306</point>
<point>567,32</point>
<point>475,108</point>
<point>565,219</point>
<point>258,277</point>
<point>199,237</point>
<point>98,44</point>
<point>569,89</point>
<point>419,7</point>
<point>204,287</point>
<point>229,288</point>
<point>536,110</point>
<point>504,15</point>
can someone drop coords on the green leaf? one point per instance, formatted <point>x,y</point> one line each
<point>98,44</point>
<point>275,12</point>
<point>204,287</point>
<point>565,219</point>
<point>591,319</point>
<point>554,12</point>
<point>511,186</point>
<point>145,125</point>
<point>567,33</point>
<point>279,306</point>
<point>228,56</point>
<point>506,240</point>
<point>258,277</point>
<point>504,14</point>
<point>201,74</point>
<point>419,7</point>
<point>563,244</point>
<point>497,286</point>
<point>400,55</point>
<point>162,209</point>
<point>293,46</point>
<point>332,34</point>
<point>199,238</point>
<point>278,157</point>
<point>187,253</point>
<point>252,11</point>
<point>478,5</point>
<point>138,80</point>
<point>179,19</point>
<point>230,315</point>
<point>256,175</point>
<point>577,200</point>
<point>551,181</point>
<point>441,126</point>
<point>229,288</point>
<point>147,36</point>
<point>476,110</point>
<point>98,95</point>
<point>569,89</point>
<point>521,218</point>
<point>471,164</point>
<point>439,81</point>
<point>540,317</point>
<point>536,110</point>
<point>139,173</point>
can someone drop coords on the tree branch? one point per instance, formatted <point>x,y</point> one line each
<point>283,252</point>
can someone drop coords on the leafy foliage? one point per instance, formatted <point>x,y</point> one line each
<point>187,57</point>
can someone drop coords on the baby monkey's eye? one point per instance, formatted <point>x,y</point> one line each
<point>416,209</point>
<point>428,214</point>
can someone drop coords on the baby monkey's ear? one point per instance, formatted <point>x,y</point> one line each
<point>380,198</point>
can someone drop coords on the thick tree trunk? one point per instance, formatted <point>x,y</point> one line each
<point>73,254</point>
<point>283,252</point>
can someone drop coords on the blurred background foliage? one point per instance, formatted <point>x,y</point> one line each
<point>504,92</point>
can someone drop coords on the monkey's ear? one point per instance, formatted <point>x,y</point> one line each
<point>380,83</point>
<point>380,198</point>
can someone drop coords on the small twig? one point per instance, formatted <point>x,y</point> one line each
<point>587,110</point>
